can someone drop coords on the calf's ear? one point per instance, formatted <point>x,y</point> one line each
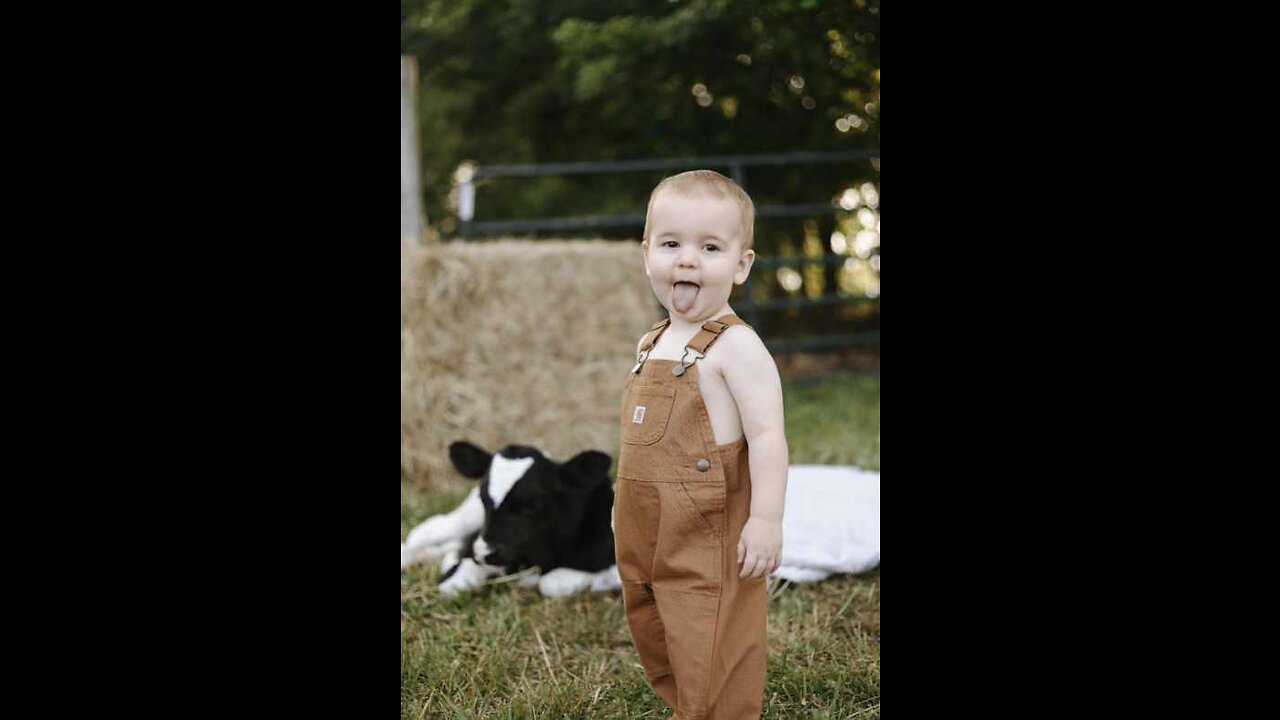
<point>586,468</point>
<point>471,460</point>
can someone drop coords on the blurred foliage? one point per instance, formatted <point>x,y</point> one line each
<point>525,81</point>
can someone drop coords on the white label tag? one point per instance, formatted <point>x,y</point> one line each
<point>638,416</point>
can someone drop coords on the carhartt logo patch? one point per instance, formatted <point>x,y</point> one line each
<point>638,416</point>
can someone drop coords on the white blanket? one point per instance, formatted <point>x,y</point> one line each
<point>831,523</point>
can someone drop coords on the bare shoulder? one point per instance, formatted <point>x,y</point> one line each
<point>743,338</point>
<point>751,376</point>
<point>741,348</point>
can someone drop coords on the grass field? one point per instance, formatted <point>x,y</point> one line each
<point>505,652</point>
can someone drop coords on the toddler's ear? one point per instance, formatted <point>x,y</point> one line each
<point>744,267</point>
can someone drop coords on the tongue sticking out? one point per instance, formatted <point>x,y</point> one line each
<point>683,295</point>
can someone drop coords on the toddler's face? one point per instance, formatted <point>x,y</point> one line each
<point>694,255</point>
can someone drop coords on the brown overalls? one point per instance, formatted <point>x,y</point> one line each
<point>680,504</point>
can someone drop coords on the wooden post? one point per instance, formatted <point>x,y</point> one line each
<point>412,221</point>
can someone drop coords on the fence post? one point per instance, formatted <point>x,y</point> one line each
<point>412,220</point>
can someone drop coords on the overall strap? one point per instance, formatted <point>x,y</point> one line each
<point>711,330</point>
<point>706,337</point>
<point>647,343</point>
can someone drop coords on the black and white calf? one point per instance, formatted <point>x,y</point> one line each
<point>528,513</point>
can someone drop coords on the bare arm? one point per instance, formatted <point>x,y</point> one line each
<point>752,377</point>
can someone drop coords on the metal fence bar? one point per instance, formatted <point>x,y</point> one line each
<point>588,222</point>
<point>779,260</point>
<point>736,165</point>
<point>825,342</point>
<point>729,161</point>
<point>788,303</point>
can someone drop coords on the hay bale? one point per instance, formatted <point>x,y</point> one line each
<point>524,342</point>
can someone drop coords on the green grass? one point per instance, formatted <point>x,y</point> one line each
<point>835,421</point>
<point>505,652</point>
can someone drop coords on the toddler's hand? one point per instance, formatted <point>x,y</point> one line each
<point>760,547</point>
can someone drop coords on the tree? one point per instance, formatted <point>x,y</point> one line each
<point>507,81</point>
